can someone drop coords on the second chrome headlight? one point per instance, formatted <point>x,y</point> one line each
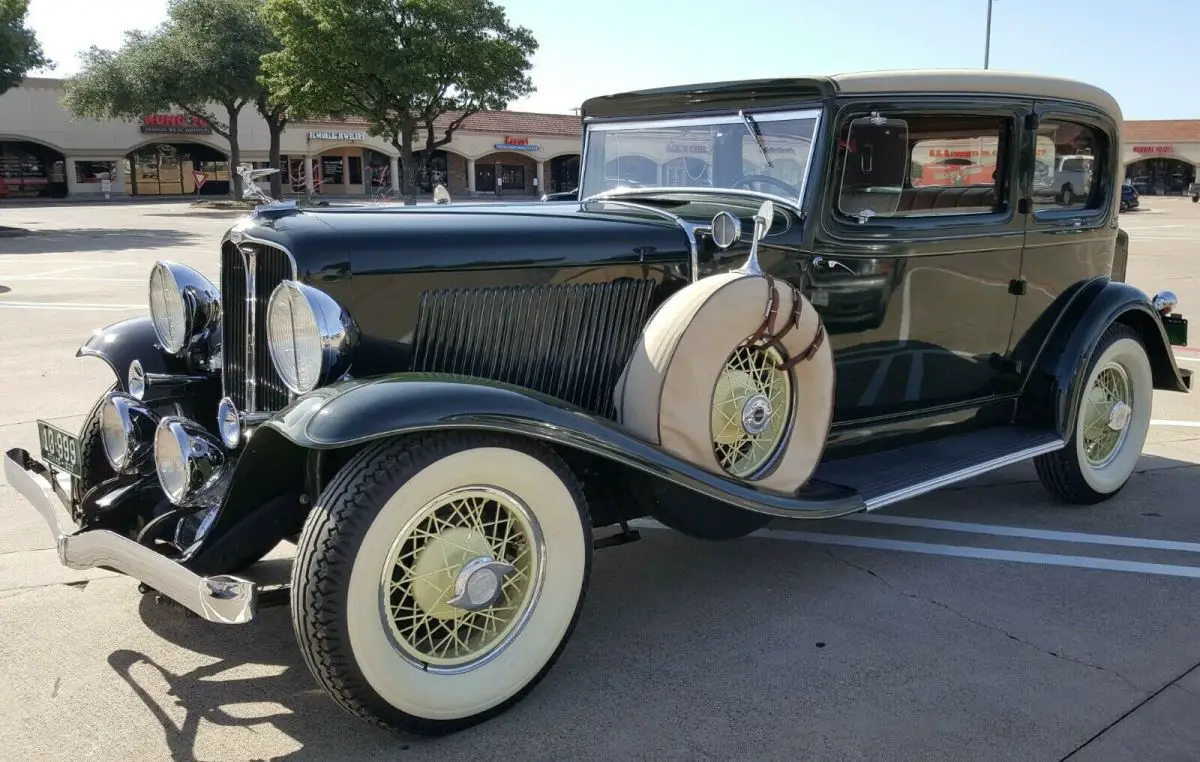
<point>310,337</point>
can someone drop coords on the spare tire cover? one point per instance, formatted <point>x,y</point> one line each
<point>675,389</point>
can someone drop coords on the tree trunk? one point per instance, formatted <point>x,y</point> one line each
<point>407,170</point>
<point>235,153</point>
<point>276,129</point>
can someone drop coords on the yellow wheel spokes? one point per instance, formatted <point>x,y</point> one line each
<point>750,410</point>
<point>432,561</point>
<point>1105,414</point>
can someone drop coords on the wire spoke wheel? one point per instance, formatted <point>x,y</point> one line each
<point>462,576</point>
<point>750,409</point>
<point>1106,412</point>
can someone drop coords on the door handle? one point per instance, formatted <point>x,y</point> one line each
<point>830,264</point>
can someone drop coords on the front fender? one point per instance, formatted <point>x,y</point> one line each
<point>1059,371</point>
<point>360,411</point>
<point>134,339</point>
<point>356,412</point>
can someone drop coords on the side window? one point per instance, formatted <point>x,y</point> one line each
<point>923,166</point>
<point>1067,158</point>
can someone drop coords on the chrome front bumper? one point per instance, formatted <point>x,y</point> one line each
<point>223,599</point>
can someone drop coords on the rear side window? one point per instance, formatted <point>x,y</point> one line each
<point>922,166</point>
<point>1072,152</point>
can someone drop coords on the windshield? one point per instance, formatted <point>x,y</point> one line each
<point>703,152</point>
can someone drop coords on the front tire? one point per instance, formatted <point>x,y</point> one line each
<point>1111,423</point>
<point>399,534</point>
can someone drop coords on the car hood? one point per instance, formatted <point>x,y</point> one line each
<point>334,242</point>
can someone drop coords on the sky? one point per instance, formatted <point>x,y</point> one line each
<point>1143,52</point>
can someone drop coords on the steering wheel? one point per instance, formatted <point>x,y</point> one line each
<point>750,179</point>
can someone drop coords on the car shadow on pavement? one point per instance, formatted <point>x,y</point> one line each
<point>656,613</point>
<point>98,241</point>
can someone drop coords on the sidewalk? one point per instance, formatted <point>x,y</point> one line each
<point>422,198</point>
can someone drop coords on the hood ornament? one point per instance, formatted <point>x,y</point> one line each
<point>763,219</point>
<point>440,194</point>
<point>267,206</point>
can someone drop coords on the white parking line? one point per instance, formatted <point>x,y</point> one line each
<point>962,551</point>
<point>78,279</point>
<point>989,554</point>
<point>71,306</point>
<point>1184,424</point>
<point>1033,534</point>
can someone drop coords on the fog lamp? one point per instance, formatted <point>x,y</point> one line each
<point>126,430</point>
<point>189,461</point>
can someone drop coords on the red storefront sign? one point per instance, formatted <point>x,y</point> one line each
<point>185,124</point>
<point>513,140</point>
<point>1154,149</point>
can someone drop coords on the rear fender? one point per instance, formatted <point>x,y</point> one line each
<point>354,413</point>
<point>1058,373</point>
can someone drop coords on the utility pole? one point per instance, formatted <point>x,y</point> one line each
<point>987,44</point>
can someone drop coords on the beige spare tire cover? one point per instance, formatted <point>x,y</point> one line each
<point>665,394</point>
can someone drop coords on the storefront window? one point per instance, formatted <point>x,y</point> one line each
<point>355,170</point>
<point>30,169</point>
<point>95,171</point>
<point>332,170</point>
<point>1160,176</point>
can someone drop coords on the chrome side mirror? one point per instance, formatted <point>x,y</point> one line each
<point>1165,301</point>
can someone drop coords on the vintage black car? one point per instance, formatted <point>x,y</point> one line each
<point>798,298</point>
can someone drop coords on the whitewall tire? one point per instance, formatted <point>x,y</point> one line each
<point>1111,423</point>
<point>439,577</point>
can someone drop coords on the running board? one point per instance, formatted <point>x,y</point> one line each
<point>890,477</point>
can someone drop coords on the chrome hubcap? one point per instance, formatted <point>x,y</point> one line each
<point>750,410</point>
<point>462,578</point>
<point>1107,411</point>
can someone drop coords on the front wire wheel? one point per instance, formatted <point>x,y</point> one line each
<point>751,408</point>
<point>1111,423</point>
<point>439,576</point>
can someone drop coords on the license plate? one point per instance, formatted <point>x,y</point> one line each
<point>1177,330</point>
<point>60,449</point>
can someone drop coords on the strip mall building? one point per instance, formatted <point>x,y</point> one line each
<point>44,152</point>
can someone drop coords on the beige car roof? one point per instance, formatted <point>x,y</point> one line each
<point>976,81</point>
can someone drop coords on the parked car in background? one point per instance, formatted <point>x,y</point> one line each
<point>1129,197</point>
<point>448,408</point>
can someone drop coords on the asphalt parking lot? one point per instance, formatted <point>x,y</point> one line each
<point>982,622</point>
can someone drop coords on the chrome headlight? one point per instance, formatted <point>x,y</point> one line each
<point>183,304</point>
<point>126,430</point>
<point>310,337</point>
<point>189,461</point>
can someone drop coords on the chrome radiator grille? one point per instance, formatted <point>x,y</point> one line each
<point>568,341</point>
<point>249,274</point>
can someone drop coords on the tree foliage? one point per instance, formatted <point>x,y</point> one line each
<point>20,52</point>
<point>399,64</point>
<point>204,60</point>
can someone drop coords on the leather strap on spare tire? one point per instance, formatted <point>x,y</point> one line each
<point>694,384</point>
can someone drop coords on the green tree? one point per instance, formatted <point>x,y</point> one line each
<point>20,52</point>
<point>399,64</point>
<point>204,60</point>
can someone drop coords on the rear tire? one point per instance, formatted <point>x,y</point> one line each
<point>394,539</point>
<point>1098,459</point>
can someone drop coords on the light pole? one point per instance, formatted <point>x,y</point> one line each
<point>987,44</point>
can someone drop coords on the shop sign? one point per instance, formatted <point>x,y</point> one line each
<point>673,147</point>
<point>1154,149</point>
<point>175,124</point>
<point>339,136</point>
<point>514,143</point>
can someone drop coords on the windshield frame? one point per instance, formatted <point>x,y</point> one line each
<point>618,124</point>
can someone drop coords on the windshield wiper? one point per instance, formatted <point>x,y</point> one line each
<point>752,126</point>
